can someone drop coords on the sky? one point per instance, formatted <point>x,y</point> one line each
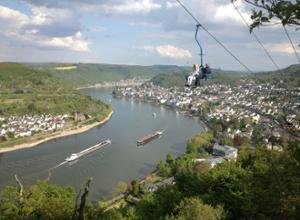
<point>137,32</point>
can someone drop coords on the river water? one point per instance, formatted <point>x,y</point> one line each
<point>120,161</point>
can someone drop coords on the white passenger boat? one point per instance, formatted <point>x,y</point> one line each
<point>97,146</point>
<point>72,157</point>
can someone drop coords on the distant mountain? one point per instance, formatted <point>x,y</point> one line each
<point>87,74</point>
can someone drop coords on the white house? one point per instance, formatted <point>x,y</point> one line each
<point>227,152</point>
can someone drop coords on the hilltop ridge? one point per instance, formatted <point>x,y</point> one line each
<point>88,74</point>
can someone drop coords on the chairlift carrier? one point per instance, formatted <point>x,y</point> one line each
<point>196,38</point>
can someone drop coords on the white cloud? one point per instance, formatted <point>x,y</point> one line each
<point>39,16</point>
<point>142,23</point>
<point>11,21</point>
<point>132,6</point>
<point>24,29</point>
<point>169,51</point>
<point>229,13</point>
<point>282,48</point>
<point>172,4</point>
<point>75,42</point>
<point>10,14</point>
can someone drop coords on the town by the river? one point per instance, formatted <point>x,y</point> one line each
<point>120,161</point>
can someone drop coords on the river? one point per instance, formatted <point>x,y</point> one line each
<point>120,161</point>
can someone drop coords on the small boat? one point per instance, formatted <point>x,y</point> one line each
<point>72,157</point>
<point>149,138</point>
<point>154,115</point>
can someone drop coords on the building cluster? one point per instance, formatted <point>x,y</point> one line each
<point>27,125</point>
<point>274,108</point>
<point>120,83</point>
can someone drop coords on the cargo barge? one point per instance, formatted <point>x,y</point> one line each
<point>148,138</point>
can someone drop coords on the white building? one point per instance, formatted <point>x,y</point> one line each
<point>227,152</point>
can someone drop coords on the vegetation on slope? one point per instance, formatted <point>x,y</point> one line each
<point>178,79</point>
<point>24,91</point>
<point>87,74</point>
<point>27,91</point>
<point>289,76</point>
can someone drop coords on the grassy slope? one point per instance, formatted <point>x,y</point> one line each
<point>94,73</point>
<point>27,91</point>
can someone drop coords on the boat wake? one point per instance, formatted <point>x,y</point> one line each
<point>73,158</point>
<point>52,168</point>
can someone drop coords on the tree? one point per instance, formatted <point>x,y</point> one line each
<point>238,140</point>
<point>10,134</point>
<point>135,187</point>
<point>40,201</point>
<point>226,141</point>
<point>288,12</point>
<point>170,159</point>
<point>31,108</point>
<point>121,187</point>
<point>164,169</point>
<point>159,204</point>
<point>194,208</point>
<point>199,142</point>
<point>257,136</point>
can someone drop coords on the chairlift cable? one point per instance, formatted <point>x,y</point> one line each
<point>257,39</point>
<point>219,42</point>
<point>295,52</point>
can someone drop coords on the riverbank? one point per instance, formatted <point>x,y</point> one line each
<point>121,83</point>
<point>56,135</point>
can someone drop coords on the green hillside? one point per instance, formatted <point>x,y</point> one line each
<point>289,76</point>
<point>27,91</point>
<point>86,74</point>
<point>178,79</point>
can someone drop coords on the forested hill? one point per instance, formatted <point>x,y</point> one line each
<point>178,79</point>
<point>27,91</point>
<point>289,76</point>
<point>87,74</point>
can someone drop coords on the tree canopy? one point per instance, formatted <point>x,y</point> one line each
<point>287,12</point>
